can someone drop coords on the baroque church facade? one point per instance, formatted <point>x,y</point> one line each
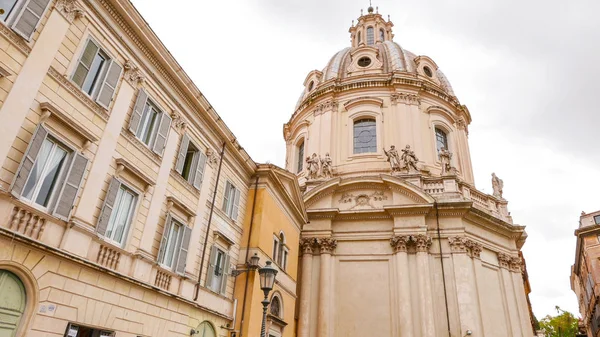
<point>399,241</point>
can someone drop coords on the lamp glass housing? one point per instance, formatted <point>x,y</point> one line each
<point>267,277</point>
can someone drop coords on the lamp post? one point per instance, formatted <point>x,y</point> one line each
<point>267,279</point>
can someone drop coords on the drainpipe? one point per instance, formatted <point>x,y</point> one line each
<point>247,253</point>
<point>212,207</point>
<point>437,219</point>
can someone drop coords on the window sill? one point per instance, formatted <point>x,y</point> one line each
<point>20,42</point>
<point>188,186</point>
<point>370,155</point>
<point>135,141</point>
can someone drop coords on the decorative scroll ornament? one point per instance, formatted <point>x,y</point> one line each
<point>212,157</point>
<point>133,74</point>
<point>70,9</point>
<point>327,245</point>
<point>178,122</point>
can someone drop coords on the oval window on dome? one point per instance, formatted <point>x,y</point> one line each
<point>427,71</point>
<point>364,61</point>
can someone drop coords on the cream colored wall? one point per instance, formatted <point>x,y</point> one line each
<point>40,72</point>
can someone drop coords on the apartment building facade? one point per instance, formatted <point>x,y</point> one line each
<point>585,273</point>
<point>122,192</point>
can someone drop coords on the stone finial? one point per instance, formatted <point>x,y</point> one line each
<point>504,260</point>
<point>327,245</point>
<point>400,242</point>
<point>458,244</point>
<point>70,9</point>
<point>422,241</point>
<point>307,245</point>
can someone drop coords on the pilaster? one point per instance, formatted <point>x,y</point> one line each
<point>400,244</point>
<point>326,248</point>
<point>306,246</point>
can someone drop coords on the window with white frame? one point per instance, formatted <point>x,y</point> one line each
<point>218,270</point>
<point>280,251</point>
<point>441,139</point>
<point>50,174</point>
<point>96,73</point>
<point>365,136</point>
<point>117,212</point>
<point>150,123</point>
<point>190,162</point>
<point>174,245</point>
<point>23,15</point>
<point>231,201</point>
<point>370,36</point>
<point>300,159</point>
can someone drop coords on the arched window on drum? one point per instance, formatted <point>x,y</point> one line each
<point>441,140</point>
<point>365,136</point>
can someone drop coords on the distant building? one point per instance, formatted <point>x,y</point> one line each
<point>585,273</point>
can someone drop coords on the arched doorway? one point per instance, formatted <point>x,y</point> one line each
<point>12,303</point>
<point>205,329</point>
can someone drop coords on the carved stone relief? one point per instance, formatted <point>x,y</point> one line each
<point>70,9</point>
<point>421,242</point>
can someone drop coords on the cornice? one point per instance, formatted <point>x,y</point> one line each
<point>404,210</point>
<point>363,100</point>
<point>78,93</point>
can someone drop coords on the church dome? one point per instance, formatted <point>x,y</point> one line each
<point>374,55</point>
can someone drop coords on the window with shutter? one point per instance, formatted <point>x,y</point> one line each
<point>212,268</point>
<point>227,197</point>
<point>200,166</point>
<point>171,243</point>
<point>27,20</point>
<point>183,250</point>
<point>138,110</point>
<point>96,73</point>
<point>225,274</point>
<point>70,189</point>
<point>190,162</point>
<point>29,159</point>
<point>162,134</point>
<point>117,212</point>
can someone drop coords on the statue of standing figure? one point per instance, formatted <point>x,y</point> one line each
<point>393,158</point>
<point>326,166</point>
<point>312,166</point>
<point>445,157</point>
<point>497,185</point>
<point>409,159</point>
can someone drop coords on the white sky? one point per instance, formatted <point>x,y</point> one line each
<point>527,70</point>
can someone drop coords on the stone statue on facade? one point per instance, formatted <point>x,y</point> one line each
<point>497,185</point>
<point>445,157</point>
<point>312,166</point>
<point>409,159</point>
<point>393,158</point>
<point>326,166</point>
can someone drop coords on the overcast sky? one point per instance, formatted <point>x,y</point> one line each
<point>527,70</point>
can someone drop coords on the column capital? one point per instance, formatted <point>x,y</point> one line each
<point>400,242</point>
<point>327,245</point>
<point>133,75</point>
<point>458,244</point>
<point>307,245</point>
<point>422,241</point>
<point>475,248</point>
<point>504,260</point>
<point>516,264</point>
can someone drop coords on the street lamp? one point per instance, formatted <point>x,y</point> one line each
<point>267,279</point>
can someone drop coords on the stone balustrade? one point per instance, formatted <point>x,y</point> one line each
<point>27,222</point>
<point>162,280</point>
<point>108,257</point>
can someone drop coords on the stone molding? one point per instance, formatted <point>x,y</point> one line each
<point>70,9</point>
<point>461,244</point>
<point>400,243</point>
<point>77,92</point>
<point>16,39</point>
<point>323,107</point>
